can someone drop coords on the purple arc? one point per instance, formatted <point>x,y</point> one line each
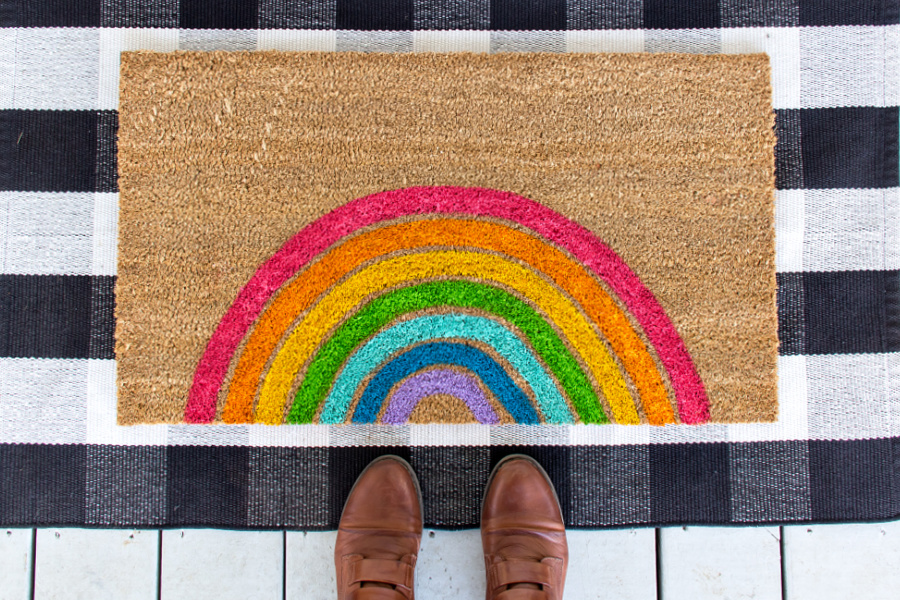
<point>413,390</point>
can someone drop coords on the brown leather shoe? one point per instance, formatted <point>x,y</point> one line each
<point>523,533</point>
<point>379,533</point>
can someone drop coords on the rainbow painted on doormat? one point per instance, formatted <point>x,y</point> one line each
<point>514,312</point>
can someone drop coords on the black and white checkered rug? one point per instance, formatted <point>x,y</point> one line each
<point>834,453</point>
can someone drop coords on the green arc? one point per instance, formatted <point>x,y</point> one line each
<point>331,355</point>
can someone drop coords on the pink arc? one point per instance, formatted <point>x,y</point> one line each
<point>317,237</point>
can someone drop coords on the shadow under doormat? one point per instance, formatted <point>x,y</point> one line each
<point>493,240</point>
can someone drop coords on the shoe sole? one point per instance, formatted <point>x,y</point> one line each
<point>409,469</point>
<point>530,460</point>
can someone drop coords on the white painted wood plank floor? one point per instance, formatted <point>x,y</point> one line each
<point>820,562</point>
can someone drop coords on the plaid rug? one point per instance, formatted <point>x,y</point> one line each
<point>832,455</point>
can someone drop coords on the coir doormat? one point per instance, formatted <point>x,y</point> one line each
<point>328,238</point>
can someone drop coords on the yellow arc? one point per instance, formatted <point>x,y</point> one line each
<point>307,335</point>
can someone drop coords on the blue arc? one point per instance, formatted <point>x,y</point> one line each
<point>397,338</point>
<point>445,353</point>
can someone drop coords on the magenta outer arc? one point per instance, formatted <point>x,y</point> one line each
<point>312,240</point>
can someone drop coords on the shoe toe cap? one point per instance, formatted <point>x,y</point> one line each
<point>385,497</point>
<point>520,495</point>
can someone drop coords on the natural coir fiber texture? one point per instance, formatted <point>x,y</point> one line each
<point>229,162</point>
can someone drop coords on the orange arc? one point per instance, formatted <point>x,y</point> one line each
<point>567,274</point>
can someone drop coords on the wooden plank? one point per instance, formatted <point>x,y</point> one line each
<point>212,564</point>
<point>15,564</point>
<point>96,563</point>
<point>602,564</point>
<point>617,564</point>
<point>825,562</point>
<point>450,565</point>
<point>698,563</point>
<point>310,565</point>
